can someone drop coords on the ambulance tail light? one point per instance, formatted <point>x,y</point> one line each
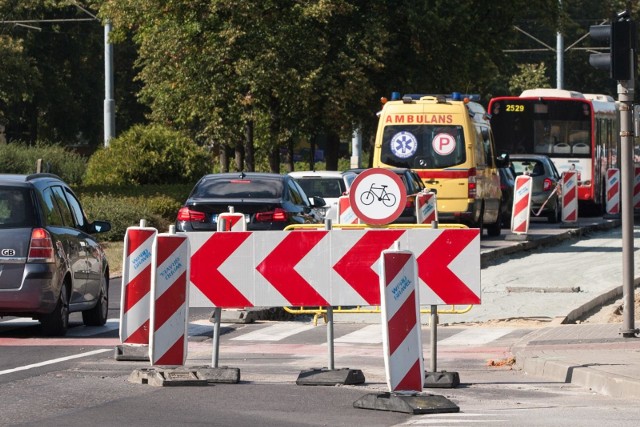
<point>472,187</point>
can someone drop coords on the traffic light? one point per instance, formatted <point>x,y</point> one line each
<point>621,35</point>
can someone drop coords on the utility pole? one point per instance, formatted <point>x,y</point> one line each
<point>109,103</point>
<point>621,64</point>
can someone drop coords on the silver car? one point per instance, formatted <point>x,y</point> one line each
<point>50,264</point>
<point>545,179</point>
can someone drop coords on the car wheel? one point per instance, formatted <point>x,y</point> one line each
<point>493,230</point>
<point>56,323</point>
<point>554,215</point>
<point>97,316</point>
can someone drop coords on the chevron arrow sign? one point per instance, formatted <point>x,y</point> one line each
<point>321,268</point>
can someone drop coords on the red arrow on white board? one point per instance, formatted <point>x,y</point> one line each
<point>279,268</point>
<point>205,264</point>
<point>433,266</point>
<point>355,266</point>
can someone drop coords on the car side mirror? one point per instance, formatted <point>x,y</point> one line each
<point>502,160</point>
<point>317,201</point>
<point>99,227</point>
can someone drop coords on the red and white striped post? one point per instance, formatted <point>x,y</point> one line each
<point>613,192</point>
<point>521,211</point>
<point>231,221</point>
<point>569,196</point>
<point>401,331</point>
<point>346,214</point>
<point>426,208</point>
<point>170,305</point>
<point>636,189</point>
<point>135,297</point>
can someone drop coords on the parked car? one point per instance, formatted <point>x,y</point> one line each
<point>413,185</point>
<point>329,185</point>
<point>507,182</point>
<point>545,178</point>
<point>269,202</point>
<point>50,264</point>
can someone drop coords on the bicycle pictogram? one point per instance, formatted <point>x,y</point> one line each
<point>378,193</point>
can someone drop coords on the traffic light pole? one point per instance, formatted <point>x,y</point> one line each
<point>625,99</point>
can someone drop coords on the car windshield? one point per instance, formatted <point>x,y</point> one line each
<point>323,187</point>
<point>16,209</point>
<point>240,188</point>
<point>528,167</point>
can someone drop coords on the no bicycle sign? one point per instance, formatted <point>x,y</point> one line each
<point>378,196</point>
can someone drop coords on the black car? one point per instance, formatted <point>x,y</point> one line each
<point>413,185</point>
<point>50,264</point>
<point>269,201</point>
<point>545,200</point>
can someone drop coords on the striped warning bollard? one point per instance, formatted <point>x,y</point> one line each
<point>521,211</point>
<point>346,214</point>
<point>636,189</point>
<point>170,300</point>
<point>426,208</point>
<point>135,297</point>
<point>613,192</point>
<point>569,197</point>
<point>401,330</point>
<point>231,221</point>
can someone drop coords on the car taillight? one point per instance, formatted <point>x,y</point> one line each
<point>277,215</point>
<point>186,214</point>
<point>472,192</point>
<point>41,246</point>
<point>547,185</point>
<point>411,202</point>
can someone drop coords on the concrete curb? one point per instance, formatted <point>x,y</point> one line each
<point>556,369</point>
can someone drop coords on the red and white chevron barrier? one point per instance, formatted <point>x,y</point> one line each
<point>170,292</point>
<point>636,189</point>
<point>401,337</point>
<point>346,215</point>
<point>135,297</point>
<point>569,196</point>
<point>613,191</point>
<point>521,211</point>
<point>426,208</point>
<point>233,221</point>
<point>328,268</point>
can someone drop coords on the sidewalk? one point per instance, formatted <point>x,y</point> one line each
<point>594,356</point>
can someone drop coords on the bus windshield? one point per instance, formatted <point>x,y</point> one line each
<point>556,127</point>
<point>423,146</point>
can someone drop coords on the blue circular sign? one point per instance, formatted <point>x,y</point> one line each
<point>404,144</point>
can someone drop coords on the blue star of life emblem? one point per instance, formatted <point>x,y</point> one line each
<point>404,144</point>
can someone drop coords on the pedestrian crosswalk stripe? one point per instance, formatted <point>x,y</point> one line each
<point>275,332</point>
<point>475,336</point>
<point>371,334</point>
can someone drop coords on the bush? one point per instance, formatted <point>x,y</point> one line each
<point>151,154</point>
<point>20,158</point>
<point>126,206</point>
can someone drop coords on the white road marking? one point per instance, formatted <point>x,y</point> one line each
<point>53,361</point>
<point>275,332</point>
<point>475,336</point>
<point>371,334</point>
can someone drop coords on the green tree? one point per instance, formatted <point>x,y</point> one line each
<point>530,76</point>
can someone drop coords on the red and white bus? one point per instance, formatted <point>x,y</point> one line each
<point>577,131</point>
